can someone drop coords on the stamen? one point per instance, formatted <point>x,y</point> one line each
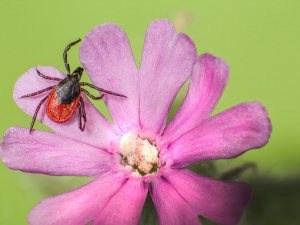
<point>139,155</point>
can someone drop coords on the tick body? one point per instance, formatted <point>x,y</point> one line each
<point>65,97</point>
<point>63,100</point>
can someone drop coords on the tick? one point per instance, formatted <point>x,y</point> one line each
<point>65,96</point>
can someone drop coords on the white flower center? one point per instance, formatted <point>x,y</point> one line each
<point>139,155</point>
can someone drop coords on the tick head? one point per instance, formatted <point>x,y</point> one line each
<point>78,73</point>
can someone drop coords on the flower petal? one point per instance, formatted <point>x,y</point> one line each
<point>208,81</point>
<point>167,63</point>
<point>106,55</point>
<point>98,130</point>
<point>221,202</point>
<point>170,207</point>
<point>126,205</point>
<point>79,206</point>
<point>51,154</point>
<point>226,135</point>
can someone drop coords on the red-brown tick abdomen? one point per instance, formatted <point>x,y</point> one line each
<point>60,112</point>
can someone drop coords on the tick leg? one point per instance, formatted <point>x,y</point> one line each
<point>79,118</point>
<point>46,77</point>
<point>92,96</point>
<point>83,110</point>
<point>65,54</point>
<point>81,115</point>
<point>39,92</point>
<point>36,111</point>
<point>101,90</point>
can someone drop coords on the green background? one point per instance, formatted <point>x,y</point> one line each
<point>259,39</point>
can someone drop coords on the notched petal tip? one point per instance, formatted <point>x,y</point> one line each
<point>159,23</point>
<point>263,122</point>
<point>214,63</point>
<point>215,70</point>
<point>31,82</point>
<point>4,151</point>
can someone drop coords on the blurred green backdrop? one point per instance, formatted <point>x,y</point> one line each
<point>259,39</point>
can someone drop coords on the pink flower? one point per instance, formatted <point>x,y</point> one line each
<point>138,153</point>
